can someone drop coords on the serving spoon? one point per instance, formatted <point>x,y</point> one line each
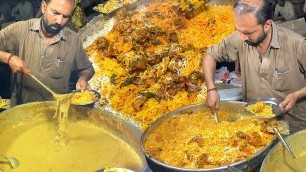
<point>280,137</point>
<point>13,161</point>
<point>58,97</point>
<point>216,117</point>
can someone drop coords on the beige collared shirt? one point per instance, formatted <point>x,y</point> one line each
<point>280,72</point>
<point>51,64</point>
<point>287,11</point>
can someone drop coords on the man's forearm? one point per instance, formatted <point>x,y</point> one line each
<point>209,69</point>
<point>301,93</point>
<point>4,56</point>
<point>87,73</point>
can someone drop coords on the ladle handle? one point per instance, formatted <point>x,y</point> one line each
<point>280,137</point>
<point>42,84</point>
<point>217,117</point>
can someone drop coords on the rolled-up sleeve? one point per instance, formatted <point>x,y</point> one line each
<point>302,56</point>
<point>226,50</point>
<point>9,37</point>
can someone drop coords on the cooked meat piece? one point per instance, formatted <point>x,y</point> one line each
<point>256,140</point>
<point>140,36</point>
<point>137,81</point>
<point>179,23</point>
<point>197,139</point>
<point>178,79</point>
<point>190,86</point>
<point>233,141</point>
<point>243,135</point>
<point>264,128</point>
<point>154,58</point>
<point>102,42</point>
<point>138,65</point>
<point>172,36</point>
<point>137,104</point>
<point>195,75</point>
<point>242,144</point>
<point>202,160</point>
<point>175,88</point>
<point>109,52</point>
<point>161,92</point>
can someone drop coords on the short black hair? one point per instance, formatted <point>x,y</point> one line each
<point>47,1</point>
<point>263,12</point>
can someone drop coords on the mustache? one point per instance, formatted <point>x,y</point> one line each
<point>56,25</point>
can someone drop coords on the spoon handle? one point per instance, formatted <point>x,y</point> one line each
<point>217,117</point>
<point>284,142</point>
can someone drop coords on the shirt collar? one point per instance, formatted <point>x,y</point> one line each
<point>274,40</point>
<point>37,27</point>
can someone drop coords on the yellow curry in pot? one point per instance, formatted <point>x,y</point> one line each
<point>40,144</point>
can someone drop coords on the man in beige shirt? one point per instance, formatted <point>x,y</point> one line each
<point>284,11</point>
<point>23,11</point>
<point>272,61</point>
<point>46,49</point>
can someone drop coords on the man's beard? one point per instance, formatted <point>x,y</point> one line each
<point>49,29</point>
<point>259,40</point>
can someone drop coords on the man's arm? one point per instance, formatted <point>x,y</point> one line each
<point>291,12</point>
<point>209,68</point>
<point>84,76</point>
<point>276,14</point>
<point>15,63</point>
<point>292,98</point>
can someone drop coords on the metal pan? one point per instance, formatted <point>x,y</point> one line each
<point>276,109</point>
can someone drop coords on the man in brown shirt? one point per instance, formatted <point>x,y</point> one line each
<point>46,49</point>
<point>272,61</point>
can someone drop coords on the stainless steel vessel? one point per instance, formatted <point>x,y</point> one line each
<point>230,106</point>
<point>279,155</point>
<point>99,117</point>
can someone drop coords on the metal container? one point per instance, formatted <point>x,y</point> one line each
<point>99,117</point>
<point>279,155</point>
<point>230,106</point>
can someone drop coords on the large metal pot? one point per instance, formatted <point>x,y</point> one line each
<point>230,106</point>
<point>279,156</point>
<point>101,118</point>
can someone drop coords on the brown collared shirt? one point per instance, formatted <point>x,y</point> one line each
<point>277,73</point>
<point>52,64</point>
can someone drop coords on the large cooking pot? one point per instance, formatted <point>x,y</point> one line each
<point>279,159</point>
<point>230,106</point>
<point>122,129</point>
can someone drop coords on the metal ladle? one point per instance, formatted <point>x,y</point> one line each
<point>58,97</point>
<point>280,137</point>
<point>42,84</point>
<point>13,161</point>
<point>216,117</point>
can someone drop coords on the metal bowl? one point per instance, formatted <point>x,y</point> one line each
<point>231,106</point>
<point>279,156</point>
<point>276,109</point>
<point>89,104</point>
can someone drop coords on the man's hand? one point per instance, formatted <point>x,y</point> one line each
<point>84,76</point>
<point>213,100</point>
<point>82,85</point>
<point>18,65</point>
<point>289,102</point>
